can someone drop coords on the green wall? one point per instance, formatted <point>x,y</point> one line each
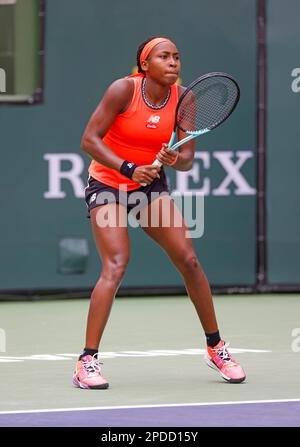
<point>88,45</point>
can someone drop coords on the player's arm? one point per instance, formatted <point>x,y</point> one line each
<point>185,154</point>
<point>115,100</point>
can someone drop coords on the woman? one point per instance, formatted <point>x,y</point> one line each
<point>125,134</point>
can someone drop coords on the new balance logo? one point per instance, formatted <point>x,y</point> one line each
<point>93,197</point>
<point>153,122</point>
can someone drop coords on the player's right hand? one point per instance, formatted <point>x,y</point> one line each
<point>146,174</point>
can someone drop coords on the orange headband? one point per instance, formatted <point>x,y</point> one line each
<point>149,47</point>
<point>146,51</point>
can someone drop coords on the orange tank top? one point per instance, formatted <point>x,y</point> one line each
<point>137,136</point>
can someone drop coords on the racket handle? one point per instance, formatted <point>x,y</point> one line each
<point>155,163</point>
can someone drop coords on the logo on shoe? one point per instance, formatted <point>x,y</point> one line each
<point>153,121</point>
<point>93,197</point>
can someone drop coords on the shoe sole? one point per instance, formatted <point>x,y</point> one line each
<point>81,385</point>
<point>228,379</point>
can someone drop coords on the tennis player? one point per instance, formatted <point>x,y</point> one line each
<point>125,134</point>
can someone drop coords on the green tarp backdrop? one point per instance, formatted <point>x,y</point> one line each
<point>45,237</point>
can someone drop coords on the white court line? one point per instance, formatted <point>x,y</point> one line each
<point>119,354</point>
<point>126,407</point>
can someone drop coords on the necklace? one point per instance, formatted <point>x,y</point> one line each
<point>152,106</point>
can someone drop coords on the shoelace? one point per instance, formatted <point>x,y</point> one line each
<point>224,354</point>
<point>93,365</point>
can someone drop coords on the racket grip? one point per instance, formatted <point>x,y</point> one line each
<point>155,163</point>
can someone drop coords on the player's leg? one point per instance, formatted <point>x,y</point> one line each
<point>172,238</point>
<point>112,243</point>
<point>175,240</point>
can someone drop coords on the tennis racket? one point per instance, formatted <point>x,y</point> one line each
<point>204,105</point>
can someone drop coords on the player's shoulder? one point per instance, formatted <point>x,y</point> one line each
<point>120,92</point>
<point>122,85</point>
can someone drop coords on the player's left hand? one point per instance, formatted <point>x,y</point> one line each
<point>166,156</point>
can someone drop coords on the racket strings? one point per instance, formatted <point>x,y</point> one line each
<point>207,104</point>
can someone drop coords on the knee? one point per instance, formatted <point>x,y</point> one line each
<point>115,268</point>
<point>189,263</point>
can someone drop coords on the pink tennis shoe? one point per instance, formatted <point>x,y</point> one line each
<point>219,359</point>
<point>88,374</point>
